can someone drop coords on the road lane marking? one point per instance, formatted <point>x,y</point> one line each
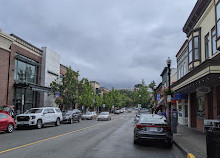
<point>43,140</point>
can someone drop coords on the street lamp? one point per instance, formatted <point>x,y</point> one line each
<point>169,91</point>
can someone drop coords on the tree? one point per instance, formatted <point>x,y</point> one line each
<point>68,88</point>
<point>152,85</point>
<point>85,94</point>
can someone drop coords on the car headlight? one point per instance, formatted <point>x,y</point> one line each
<point>32,117</point>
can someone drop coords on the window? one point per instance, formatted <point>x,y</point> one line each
<point>201,106</point>
<point>179,73</point>
<point>214,50</point>
<point>25,72</point>
<point>196,48</point>
<point>190,51</point>
<point>2,116</point>
<point>184,65</point>
<point>218,19</point>
<point>182,71</point>
<point>207,46</point>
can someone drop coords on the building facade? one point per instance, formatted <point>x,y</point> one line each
<point>202,82</point>
<point>50,72</point>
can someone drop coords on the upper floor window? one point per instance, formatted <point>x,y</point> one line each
<point>196,48</point>
<point>179,73</point>
<point>214,49</point>
<point>25,72</point>
<point>207,47</point>
<point>184,65</point>
<point>218,19</point>
<point>190,51</point>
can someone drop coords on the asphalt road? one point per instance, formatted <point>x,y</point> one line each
<point>87,139</point>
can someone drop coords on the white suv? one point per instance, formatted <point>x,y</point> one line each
<point>39,116</point>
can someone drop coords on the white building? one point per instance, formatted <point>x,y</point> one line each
<point>50,71</point>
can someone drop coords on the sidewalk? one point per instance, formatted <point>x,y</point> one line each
<point>190,140</point>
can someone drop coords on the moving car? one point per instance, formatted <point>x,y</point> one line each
<point>104,116</point>
<point>89,116</point>
<point>72,115</point>
<point>153,127</point>
<point>39,117</point>
<point>7,123</point>
<point>129,110</point>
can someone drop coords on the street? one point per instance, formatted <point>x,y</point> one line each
<point>87,139</point>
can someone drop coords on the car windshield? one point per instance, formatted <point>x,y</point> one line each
<point>32,111</point>
<point>104,113</point>
<point>153,119</point>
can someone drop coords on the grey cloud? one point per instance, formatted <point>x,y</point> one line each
<point>116,42</point>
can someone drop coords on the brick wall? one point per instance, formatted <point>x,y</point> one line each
<point>4,65</point>
<point>199,123</point>
<point>26,53</point>
<point>193,109</point>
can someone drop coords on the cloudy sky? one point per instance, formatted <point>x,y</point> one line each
<point>114,42</point>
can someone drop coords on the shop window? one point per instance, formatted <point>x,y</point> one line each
<point>201,107</point>
<point>186,110</point>
<point>180,110</point>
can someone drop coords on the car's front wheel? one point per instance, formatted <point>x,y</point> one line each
<point>57,122</point>
<point>10,128</point>
<point>39,124</point>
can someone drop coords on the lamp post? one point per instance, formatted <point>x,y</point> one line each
<point>169,91</point>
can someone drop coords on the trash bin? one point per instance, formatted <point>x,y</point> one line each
<point>213,144</point>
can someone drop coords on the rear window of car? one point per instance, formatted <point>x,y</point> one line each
<point>2,116</point>
<point>153,119</point>
<point>58,110</point>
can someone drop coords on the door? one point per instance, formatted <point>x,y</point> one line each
<point>45,117</point>
<point>52,115</point>
<point>3,122</point>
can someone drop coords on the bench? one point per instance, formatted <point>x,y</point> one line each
<point>210,124</point>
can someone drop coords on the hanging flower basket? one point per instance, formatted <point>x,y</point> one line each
<point>59,100</point>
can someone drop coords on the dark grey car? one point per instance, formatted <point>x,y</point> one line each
<point>153,127</point>
<point>72,115</point>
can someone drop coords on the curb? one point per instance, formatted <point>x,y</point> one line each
<point>188,155</point>
<point>180,148</point>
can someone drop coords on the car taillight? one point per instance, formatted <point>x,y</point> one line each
<point>140,126</point>
<point>138,116</point>
<point>167,128</point>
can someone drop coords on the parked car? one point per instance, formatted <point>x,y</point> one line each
<point>72,115</point>
<point>117,112</point>
<point>154,128</point>
<point>104,116</point>
<point>89,115</point>
<point>39,117</point>
<point>7,123</point>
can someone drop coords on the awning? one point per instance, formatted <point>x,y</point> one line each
<point>180,96</point>
<point>33,87</point>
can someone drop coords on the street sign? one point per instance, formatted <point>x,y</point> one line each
<point>168,98</point>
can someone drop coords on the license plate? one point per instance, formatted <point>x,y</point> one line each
<point>153,129</point>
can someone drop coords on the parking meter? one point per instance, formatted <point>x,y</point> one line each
<point>174,120</point>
